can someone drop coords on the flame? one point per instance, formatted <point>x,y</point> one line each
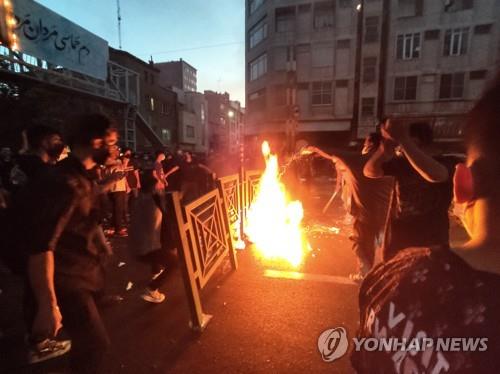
<point>273,221</point>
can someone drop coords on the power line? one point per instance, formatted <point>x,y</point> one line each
<point>193,48</point>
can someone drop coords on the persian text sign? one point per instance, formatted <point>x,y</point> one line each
<point>46,35</point>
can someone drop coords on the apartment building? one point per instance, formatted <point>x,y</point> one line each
<point>330,70</point>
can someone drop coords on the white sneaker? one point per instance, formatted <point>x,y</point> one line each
<point>153,296</point>
<point>48,349</point>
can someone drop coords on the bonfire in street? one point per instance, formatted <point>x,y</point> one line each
<point>274,223</point>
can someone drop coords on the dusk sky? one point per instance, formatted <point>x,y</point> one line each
<point>208,34</point>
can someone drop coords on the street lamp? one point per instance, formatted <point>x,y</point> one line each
<point>230,114</point>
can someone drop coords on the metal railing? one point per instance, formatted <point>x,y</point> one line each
<point>205,234</point>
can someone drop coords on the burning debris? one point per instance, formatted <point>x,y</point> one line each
<point>274,222</point>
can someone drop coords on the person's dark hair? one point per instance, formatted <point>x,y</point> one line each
<point>375,138</point>
<point>422,131</point>
<point>159,152</point>
<point>482,128</point>
<point>87,127</point>
<point>37,134</point>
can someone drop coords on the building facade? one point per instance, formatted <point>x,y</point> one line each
<point>330,70</point>
<point>156,113</point>
<point>178,74</point>
<point>441,57</point>
<point>225,122</point>
<point>193,121</point>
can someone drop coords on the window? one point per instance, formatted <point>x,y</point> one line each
<point>482,29</point>
<point>304,8</point>
<point>455,41</point>
<point>253,5</point>
<point>150,102</point>
<point>342,83</point>
<point>322,93</point>
<point>258,67</point>
<point>478,74</point>
<point>285,19</point>
<point>258,33</point>
<point>432,35</point>
<point>371,29</point>
<point>164,108</point>
<point>369,69</point>
<point>189,131</point>
<point>458,5</point>
<point>452,86</point>
<point>408,46</point>
<point>405,88</point>
<point>324,14</point>
<point>410,8</point>
<point>257,100</point>
<point>343,43</point>
<point>345,3</point>
<point>367,107</point>
<point>165,135</point>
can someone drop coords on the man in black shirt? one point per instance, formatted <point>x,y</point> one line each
<point>172,168</point>
<point>428,293</point>
<point>369,200</point>
<point>423,186</point>
<point>45,146</point>
<point>63,262</point>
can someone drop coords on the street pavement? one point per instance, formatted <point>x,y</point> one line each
<point>262,321</point>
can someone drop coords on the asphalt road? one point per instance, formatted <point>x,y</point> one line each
<point>263,321</point>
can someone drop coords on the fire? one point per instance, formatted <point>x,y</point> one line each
<point>273,221</point>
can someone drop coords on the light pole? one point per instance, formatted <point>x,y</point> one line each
<point>357,70</point>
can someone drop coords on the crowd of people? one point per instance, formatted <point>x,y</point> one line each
<point>424,288</point>
<point>71,204</point>
<point>400,187</point>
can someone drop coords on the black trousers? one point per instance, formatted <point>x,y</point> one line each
<point>119,200</point>
<point>161,259</point>
<point>364,236</point>
<point>83,323</point>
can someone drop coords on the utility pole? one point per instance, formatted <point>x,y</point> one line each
<point>384,42</point>
<point>119,17</point>
<point>357,69</point>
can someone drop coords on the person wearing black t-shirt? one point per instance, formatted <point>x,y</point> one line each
<point>430,293</point>
<point>62,251</point>
<point>369,200</point>
<point>422,190</point>
<point>172,168</point>
<point>193,174</point>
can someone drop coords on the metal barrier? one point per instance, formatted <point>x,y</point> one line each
<point>231,190</point>
<point>250,186</point>
<point>204,232</point>
<point>204,239</point>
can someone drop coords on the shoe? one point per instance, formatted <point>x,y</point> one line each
<point>153,296</point>
<point>48,349</point>
<point>122,233</point>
